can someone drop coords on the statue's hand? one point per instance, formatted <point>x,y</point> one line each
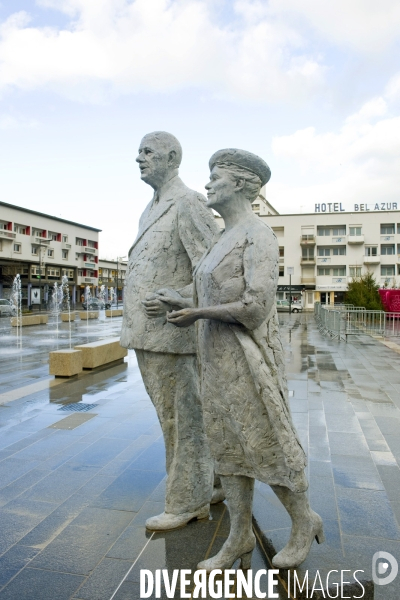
<point>184,317</point>
<point>154,307</point>
<point>173,298</point>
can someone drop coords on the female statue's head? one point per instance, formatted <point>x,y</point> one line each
<point>235,172</point>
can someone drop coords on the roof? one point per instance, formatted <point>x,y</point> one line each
<point>35,212</point>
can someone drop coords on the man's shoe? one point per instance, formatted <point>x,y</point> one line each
<point>169,521</point>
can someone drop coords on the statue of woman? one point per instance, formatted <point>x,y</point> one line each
<point>243,382</point>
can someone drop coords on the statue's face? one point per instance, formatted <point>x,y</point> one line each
<point>220,188</point>
<point>153,161</point>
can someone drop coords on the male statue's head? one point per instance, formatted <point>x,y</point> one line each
<point>159,157</point>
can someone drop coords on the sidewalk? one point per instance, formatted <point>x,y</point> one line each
<point>82,467</point>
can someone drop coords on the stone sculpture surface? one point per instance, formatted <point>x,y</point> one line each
<point>175,230</point>
<point>243,383</point>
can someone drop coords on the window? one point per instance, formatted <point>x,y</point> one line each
<point>53,272</point>
<point>19,229</point>
<point>50,253</point>
<point>91,244</point>
<point>387,229</point>
<point>68,272</point>
<point>324,251</point>
<point>34,249</point>
<point>324,271</point>
<point>64,254</point>
<point>355,230</point>
<point>53,236</point>
<point>387,270</point>
<point>281,271</point>
<point>323,231</point>
<point>387,249</point>
<point>281,251</point>
<point>339,231</point>
<point>355,271</point>
<point>79,242</point>
<point>339,251</point>
<point>339,271</point>
<point>307,253</point>
<point>17,247</point>
<point>371,250</point>
<point>80,272</point>
<point>255,206</point>
<point>65,238</point>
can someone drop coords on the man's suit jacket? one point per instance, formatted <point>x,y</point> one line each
<point>173,235</point>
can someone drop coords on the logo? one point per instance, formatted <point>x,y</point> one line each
<point>384,568</point>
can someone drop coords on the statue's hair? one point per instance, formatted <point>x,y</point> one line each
<point>168,142</point>
<point>253,183</point>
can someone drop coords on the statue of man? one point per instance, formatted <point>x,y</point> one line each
<point>175,230</point>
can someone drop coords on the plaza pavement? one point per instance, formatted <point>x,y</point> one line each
<point>82,467</point>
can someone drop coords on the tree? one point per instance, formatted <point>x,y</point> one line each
<point>363,291</point>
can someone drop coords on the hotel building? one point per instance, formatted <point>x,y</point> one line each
<point>43,248</point>
<point>327,248</point>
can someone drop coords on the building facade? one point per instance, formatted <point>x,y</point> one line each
<point>41,249</point>
<point>320,252</point>
<point>112,275</point>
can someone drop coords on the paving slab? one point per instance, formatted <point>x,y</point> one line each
<point>74,501</point>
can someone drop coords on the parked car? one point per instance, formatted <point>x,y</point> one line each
<point>283,306</point>
<point>96,304</point>
<point>7,309</point>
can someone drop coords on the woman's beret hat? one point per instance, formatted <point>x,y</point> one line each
<point>244,159</point>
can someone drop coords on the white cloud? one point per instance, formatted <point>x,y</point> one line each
<point>360,162</point>
<point>367,26</point>
<point>12,122</point>
<point>158,45</point>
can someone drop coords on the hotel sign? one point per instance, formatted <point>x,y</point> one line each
<point>329,207</point>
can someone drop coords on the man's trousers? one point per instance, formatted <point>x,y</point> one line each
<point>171,380</point>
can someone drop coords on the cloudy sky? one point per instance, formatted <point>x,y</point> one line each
<point>312,86</point>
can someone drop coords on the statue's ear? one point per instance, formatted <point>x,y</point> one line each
<point>172,158</point>
<point>240,183</point>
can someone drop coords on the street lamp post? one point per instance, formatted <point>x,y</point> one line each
<point>290,271</point>
<point>118,259</point>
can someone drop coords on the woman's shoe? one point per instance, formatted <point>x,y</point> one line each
<point>296,550</point>
<point>225,558</point>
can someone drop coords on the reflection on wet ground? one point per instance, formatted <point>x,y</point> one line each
<point>76,486</point>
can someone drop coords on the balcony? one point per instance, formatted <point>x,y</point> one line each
<point>85,280</point>
<point>308,280</point>
<point>372,260</point>
<point>41,241</point>
<point>7,235</point>
<point>307,261</point>
<point>65,246</point>
<point>326,240</point>
<point>387,238</point>
<point>307,240</point>
<point>387,281</point>
<point>324,260</point>
<point>355,239</point>
<point>90,250</point>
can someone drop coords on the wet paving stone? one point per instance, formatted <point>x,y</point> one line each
<point>73,503</point>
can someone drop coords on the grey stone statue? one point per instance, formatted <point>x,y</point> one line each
<point>175,230</point>
<point>243,382</point>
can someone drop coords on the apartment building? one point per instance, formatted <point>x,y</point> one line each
<point>112,274</point>
<point>42,248</point>
<point>321,251</point>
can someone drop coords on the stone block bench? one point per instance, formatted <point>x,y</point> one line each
<point>88,314</point>
<point>117,312</point>
<point>65,363</point>
<point>67,317</point>
<point>29,320</point>
<point>103,352</point>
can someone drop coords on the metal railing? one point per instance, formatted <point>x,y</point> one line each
<point>340,321</point>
